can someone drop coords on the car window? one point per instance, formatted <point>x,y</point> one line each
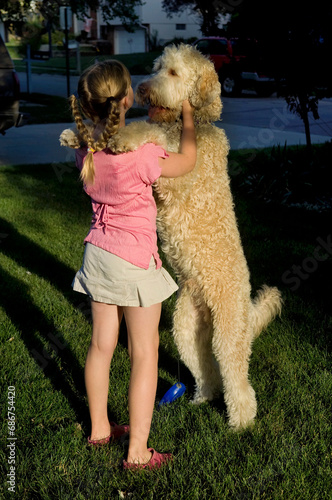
<point>219,47</point>
<point>203,46</point>
<point>212,47</point>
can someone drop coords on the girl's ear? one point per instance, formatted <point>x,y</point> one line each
<point>124,103</point>
<point>128,100</point>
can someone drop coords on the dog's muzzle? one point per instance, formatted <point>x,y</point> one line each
<point>143,91</point>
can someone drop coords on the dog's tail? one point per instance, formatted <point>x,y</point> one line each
<point>266,305</point>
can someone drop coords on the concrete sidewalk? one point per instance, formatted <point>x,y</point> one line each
<point>35,144</point>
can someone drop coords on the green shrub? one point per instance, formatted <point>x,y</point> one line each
<point>32,34</point>
<point>57,38</point>
<point>286,175</point>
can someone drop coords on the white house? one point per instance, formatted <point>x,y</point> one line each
<point>185,25</point>
<point>153,22</point>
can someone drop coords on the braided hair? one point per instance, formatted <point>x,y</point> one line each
<point>100,90</point>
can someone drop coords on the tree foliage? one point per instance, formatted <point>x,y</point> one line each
<point>209,12</point>
<point>110,9</point>
<point>296,45</point>
<point>295,41</point>
<point>15,12</point>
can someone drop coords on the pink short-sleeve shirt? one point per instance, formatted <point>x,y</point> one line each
<point>124,210</point>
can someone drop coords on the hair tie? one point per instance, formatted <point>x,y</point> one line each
<point>110,99</point>
<point>91,150</point>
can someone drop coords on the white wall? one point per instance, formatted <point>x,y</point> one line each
<point>150,13</point>
<point>153,14</point>
<point>128,43</point>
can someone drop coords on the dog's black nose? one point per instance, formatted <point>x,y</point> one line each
<point>142,90</point>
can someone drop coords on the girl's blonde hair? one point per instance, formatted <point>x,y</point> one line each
<point>100,89</point>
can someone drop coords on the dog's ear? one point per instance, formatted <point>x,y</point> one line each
<point>206,95</point>
<point>208,88</point>
<point>70,138</point>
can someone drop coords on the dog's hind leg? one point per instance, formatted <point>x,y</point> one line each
<point>231,344</point>
<point>192,334</point>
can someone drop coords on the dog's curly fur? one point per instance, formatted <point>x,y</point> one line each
<point>215,320</point>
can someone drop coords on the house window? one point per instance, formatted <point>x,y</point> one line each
<point>180,26</point>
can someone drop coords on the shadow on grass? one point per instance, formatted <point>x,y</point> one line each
<point>38,333</point>
<point>167,362</point>
<point>274,240</point>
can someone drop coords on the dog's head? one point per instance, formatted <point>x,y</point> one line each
<point>181,73</point>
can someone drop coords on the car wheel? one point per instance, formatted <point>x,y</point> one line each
<point>229,85</point>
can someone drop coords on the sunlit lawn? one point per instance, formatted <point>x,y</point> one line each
<point>138,64</point>
<point>45,330</point>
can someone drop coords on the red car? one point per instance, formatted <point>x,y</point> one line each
<point>238,64</point>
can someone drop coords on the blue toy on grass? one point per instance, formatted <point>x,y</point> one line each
<point>173,393</point>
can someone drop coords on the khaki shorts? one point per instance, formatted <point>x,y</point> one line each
<point>107,278</point>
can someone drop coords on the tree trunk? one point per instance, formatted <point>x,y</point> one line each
<point>305,118</point>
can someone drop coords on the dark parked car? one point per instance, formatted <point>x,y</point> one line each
<point>10,115</point>
<point>239,65</point>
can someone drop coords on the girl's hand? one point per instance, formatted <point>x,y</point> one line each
<point>187,107</point>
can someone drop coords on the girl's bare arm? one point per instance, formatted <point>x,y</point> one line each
<point>184,161</point>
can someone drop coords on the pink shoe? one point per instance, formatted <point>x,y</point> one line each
<point>156,461</point>
<point>117,432</point>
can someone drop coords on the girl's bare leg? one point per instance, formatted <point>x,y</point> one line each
<point>143,342</point>
<point>105,332</point>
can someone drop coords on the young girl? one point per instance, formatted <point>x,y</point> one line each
<point>122,272</point>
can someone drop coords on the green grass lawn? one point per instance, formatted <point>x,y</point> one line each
<point>138,64</point>
<point>45,332</point>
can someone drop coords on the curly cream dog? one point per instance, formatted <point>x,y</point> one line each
<point>215,320</point>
